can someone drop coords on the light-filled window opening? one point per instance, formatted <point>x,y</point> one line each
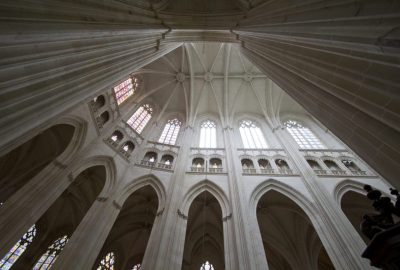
<point>208,134</point>
<point>350,165</point>
<point>140,118</point>
<point>150,157</point>
<point>170,132</point>
<point>128,147</point>
<point>251,134</point>
<point>107,263</point>
<point>126,89</point>
<point>117,136</point>
<point>167,159</point>
<point>16,251</point>
<point>207,266</point>
<point>303,136</point>
<point>137,267</point>
<point>50,256</point>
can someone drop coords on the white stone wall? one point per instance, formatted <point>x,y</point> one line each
<point>237,192</point>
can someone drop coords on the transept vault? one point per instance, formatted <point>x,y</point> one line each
<point>214,134</point>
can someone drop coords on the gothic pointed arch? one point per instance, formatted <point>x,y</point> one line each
<point>288,234</point>
<point>130,233</point>
<point>204,241</point>
<point>62,218</point>
<point>213,189</point>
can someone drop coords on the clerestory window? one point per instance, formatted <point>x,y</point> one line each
<point>251,134</point>
<point>303,136</point>
<point>208,134</point>
<point>140,118</point>
<point>170,132</point>
<point>126,89</point>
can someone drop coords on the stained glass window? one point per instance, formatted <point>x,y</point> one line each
<point>107,263</point>
<point>49,257</point>
<point>140,118</point>
<point>207,266</point>
<point>17,250</point>
<point>126,89</point>
<point>251,134</point>
<point>170,132</point>
<point>303,136</point>
<point>208,134</point>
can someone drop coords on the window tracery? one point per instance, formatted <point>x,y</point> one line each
<point>251,134</point>
<point>140,118</point>
<point>107,263</point>
<point>303,136</point>
<point>208,134</point>
<point>207,266</point>
<point>170,132</point>
<point>126,89</point>
<point>16,251</point>
<point>49,257</point>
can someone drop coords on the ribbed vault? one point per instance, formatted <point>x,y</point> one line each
<point>339,59</point>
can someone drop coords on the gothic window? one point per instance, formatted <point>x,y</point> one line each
<point>140,118</point>
<point>207,266</point>
<point>17,250</point>
<point>137,267</point>
<point>128,147</point>
<point>107,263</point>
<point>170,132</point>
<point>99,102</point>
<point>208,134</point>
<point>350,165</point>
<point>303,136</point>
<point>117,136</point>
<point>49,257</point>
<point>103,118</point>
<point>251,134</point>
<point>126,89</point>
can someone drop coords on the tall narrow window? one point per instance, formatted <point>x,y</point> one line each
<point>170,132</point>
<point>303,135</point>
<point>107,263</point>
<point>208,134</point>
<point>17,250</point>
<point>49,257</point>
<point>126,89</point>
<point>140,118</point>
<point>251,134</point>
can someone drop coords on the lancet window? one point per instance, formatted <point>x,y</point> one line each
<point>303,136</point>
<point>126,89</point>
<point>208,134</point>
<point>12,256</point>
<point>140,118</point>
<point>50,256</point>
<point>170,132</point>
<point>107,263</point>
<point>251,134</point>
